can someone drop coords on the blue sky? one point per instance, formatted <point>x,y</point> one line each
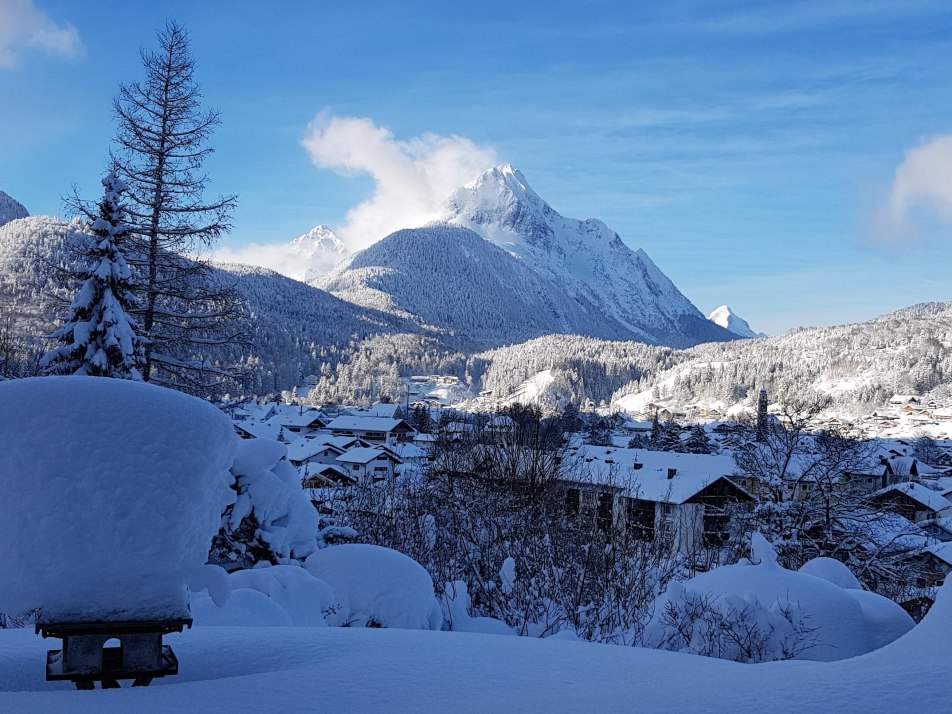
<point>786,158</point>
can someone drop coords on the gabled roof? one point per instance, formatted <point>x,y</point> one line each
<point>942,551</point>
<point>367,423</point>
<point>387,411</point>
<point>364,455</point>
<point>644,474</point>
<point>259,429</point>
<point>923,495</point>
<point>306,418</point>
<point>306,448</point>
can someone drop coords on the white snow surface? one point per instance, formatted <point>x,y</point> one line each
<point>114,490</point>
<point>730,320</point>
<point>376,585</point>
<point>235,669</point>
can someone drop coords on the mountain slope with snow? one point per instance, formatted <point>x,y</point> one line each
<point>731,321</point>
<point>11,209</point>
<point>448,278</point>
<point>586,258</point>
<point>535,273</point>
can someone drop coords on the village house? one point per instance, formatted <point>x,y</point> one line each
<point>369,464</point>
<point>914,501</point>
<point>679,500</point>
<point>374,429</point>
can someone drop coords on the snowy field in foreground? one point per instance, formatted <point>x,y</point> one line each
<point>363,670</point>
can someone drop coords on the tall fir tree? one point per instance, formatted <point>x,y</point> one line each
<point>100,337</point>
<point>160,146</point>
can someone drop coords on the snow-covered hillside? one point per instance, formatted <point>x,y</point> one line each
<point>319,250</point>
<point>10,209</point>
<point>447,277</point>
<point>586,258</point>
<point>731,321</point>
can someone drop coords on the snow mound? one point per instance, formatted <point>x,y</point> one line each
<point>378,587</point>
<point>277,595</point>
<point>119,487</point>
<point>833,571</point>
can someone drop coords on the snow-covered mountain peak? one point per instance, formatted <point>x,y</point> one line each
<point>319,239</point>
<point>10,209</point>
<point>729,320</point>
<point>319,249</point>
<point>587,258</point>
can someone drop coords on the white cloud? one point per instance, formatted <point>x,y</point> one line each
<point>23,26</point>
<point>279,257</point>
<point>412,177</point>
<point>922,181</point>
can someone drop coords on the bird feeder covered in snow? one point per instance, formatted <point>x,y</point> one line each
<point>119,488</point>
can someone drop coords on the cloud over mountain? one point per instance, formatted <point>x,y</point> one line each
<point>412,177</point>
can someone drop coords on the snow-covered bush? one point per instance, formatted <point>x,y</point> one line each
<point>272,519</point>
<point>113,491</point>
<point>377,587</point>
<point>266,596</point>
<point>757,611</point>
<point>736,627</point>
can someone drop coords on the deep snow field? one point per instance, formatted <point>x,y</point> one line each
<point>368,670</point>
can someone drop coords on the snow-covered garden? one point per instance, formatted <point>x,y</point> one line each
<point>125,499</point>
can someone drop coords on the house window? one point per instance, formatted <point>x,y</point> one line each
<point>604,513</point>
<point>640,517</point>
<point>573,502</point>
<point>356,467</point>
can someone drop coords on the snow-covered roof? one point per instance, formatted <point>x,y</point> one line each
<point>306,448</point>
<point>645,474</point>
<point>305,418</point>
<point>366,423</point>
<point>387,411</point>
<point>925,496</point>
<point>260,429</point>
<point>364,455</point>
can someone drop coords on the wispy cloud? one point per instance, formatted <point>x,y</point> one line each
<point>762,18</point>
<point>412,177</point>
<point>921,190</point>
<point>25,27</point>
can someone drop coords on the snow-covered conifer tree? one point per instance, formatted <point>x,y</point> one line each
<point>99,337</point>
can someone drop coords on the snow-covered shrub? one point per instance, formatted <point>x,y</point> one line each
<point>272,519</point>
<point>113,491</point>
<point>267,596</point>
<point>457,606</point>
<point>377,587</point>
<point>736,627</point>
<point>720,610</point>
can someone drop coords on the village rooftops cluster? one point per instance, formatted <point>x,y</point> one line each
<point>343,447</point>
